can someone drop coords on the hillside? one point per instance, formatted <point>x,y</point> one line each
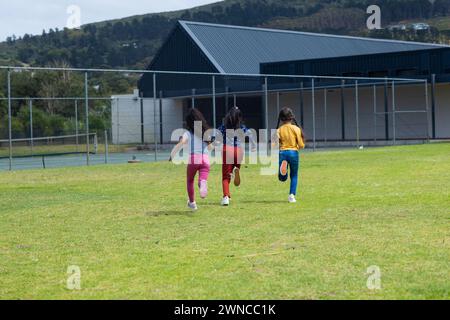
<point>131,42</point>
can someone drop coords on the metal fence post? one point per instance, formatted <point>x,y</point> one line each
<point>302,105</point>
<point>214,101</point>
<point>141,104</point>
<point>325,114</point>
<point>266,107</point>
<point>227,99</point>
<point>10,121</point>
<point>192,98</point>
<point>342,93</point>
<point>357,111</point>
<point>106,147</point>
<point>313,102</point>
<point>386,108</point>
<point>118,123</point>
<point>278,102</point>
<point>427,104</point>
<point>86,102</point>
<point>161,128</point>
<point>154,115</point>
<point>375,111</point>
<point>30,104</point>
<point>394,113</point>
<point>76,125</point>
<point>433,105</point>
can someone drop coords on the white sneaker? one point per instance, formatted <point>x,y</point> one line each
<point>192,206</point>
<point>225,202</point>
<point>292,199</point>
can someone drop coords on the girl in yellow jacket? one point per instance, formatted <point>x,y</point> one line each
<point>291,141</point>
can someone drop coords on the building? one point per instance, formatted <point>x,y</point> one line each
<point>136,119</point>
<point>420,26</point>
<point>340,111</point>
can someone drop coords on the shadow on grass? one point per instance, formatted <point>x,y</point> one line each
<point>154,214</point>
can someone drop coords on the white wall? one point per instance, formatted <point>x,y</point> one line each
<point>443,111</point>
<point>126,119</point>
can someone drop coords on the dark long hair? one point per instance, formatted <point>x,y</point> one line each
<point>234,119</point>
<point>194,115</point>
<point>286,114</point>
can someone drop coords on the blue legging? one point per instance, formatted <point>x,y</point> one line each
<point>293,159</point>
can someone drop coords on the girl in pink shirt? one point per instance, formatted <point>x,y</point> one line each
<point>198,155</point>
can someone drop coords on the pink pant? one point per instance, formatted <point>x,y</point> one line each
<point>198,163</point>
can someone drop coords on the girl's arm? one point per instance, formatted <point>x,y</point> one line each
<point>178,147</point>
<point>276,139</point>
<point>251,137</point>
<point>300,139</point>
<point>214,139</point>
<point>211,145</point>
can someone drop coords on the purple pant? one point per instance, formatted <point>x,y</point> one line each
<point>198,163</point>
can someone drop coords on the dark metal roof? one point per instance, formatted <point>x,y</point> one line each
<point>235,49</point>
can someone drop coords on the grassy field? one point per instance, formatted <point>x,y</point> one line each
<point>128,230</point>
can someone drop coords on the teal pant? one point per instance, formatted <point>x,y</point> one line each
<point>293,160</point>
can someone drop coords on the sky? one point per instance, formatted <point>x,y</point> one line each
<point>32,16</point>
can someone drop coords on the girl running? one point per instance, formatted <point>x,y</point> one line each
<point>291,140</point>
<point>198,155</point>
<point>233,152</point>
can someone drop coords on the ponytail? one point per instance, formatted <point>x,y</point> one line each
<point>303,132</point>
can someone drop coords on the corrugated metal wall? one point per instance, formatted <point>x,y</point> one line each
<point>179,53</point>
<point>415,64</point>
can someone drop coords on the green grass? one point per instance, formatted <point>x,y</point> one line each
<point>128,230</point>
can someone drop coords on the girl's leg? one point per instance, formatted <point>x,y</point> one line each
<point>191,172</point>
<point>227,170</point>
<point>238,158</point>
<point>203,176</point>
<point>294,163</point>
<point>283,157</point>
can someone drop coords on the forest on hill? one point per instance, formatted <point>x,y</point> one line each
<point>132,42</point>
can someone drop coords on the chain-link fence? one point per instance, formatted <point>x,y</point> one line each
<point>57,117</point>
